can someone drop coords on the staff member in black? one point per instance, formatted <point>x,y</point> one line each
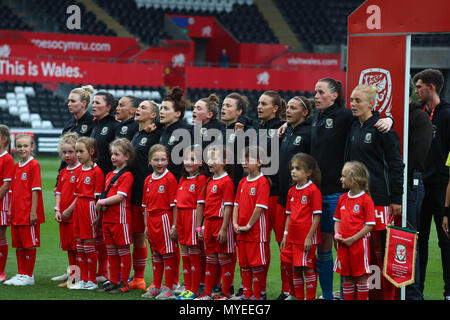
<point>126,108</point>
<point>103,109</point>
<point>146,114</point>
<point>429,84</point>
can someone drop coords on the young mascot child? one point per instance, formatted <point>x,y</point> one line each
<point>65,195</point>
<point>302,234</point>
<point>250,222</point>
<point>192,181</point>
<point>89,187</point>
<point>214,223</point>
<point>159,200</point>
<point>27,210</point>
<point>354,218</point>
<point>6,175</point>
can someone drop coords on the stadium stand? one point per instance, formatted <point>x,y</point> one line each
<point>8,20</point>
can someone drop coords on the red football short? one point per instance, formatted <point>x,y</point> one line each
<point>83,219</point>
<point>158,225</point>
<point>210,234</point>
<point>116,234</point>
<point>252,254</point>
<point>354,260</point>
<point>137,218</point>
<point>25,236</point>
<point>4,218</point>
<point>295,254</point>
<point>66,236</point>
<point>186,224</point>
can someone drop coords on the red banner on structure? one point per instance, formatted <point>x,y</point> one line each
<point>309,61</point>
<point>81,72</point>
<point>400,256</point>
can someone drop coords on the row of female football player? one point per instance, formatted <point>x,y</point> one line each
<point>219,212</point>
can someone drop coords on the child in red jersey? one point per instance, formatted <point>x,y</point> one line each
<point>214,223</point>
<point>354,218</point>
<point>65,195</point>
<point>250,222</point>
<point>158,200</point>
<point>90,183</point>
<point>189,188</point>
<point>6,174</point>
<point>301,233</point>
<point>115,210</point>
<point>27,210</point>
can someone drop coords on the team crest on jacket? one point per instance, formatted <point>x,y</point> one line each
<point>368,137</point>
<point>124,130</point>
<point>381,79</point>
<point>270,133</point>
<point>297,140</point>
<point>83,128</point>
<point>231,138</point>
<point>203,131</point>
<point>87,180</point>
<point>143,141</point>
<point>171,140</point>
<point>104,131</point>
<point>161,189</point>
<point>329,123</point>
<point>356,208</point>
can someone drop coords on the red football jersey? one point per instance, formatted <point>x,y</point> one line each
<point>27,178</point>
<point>67,183</point>
<point>159,193</point>
<point>302,204</point>
<point>6,174</point>
<point>120,212</point>
<point>90,182</point>
<point>253,193</point>
<point>353,213</point>
<point>219,192</point>
<point>189,190</point>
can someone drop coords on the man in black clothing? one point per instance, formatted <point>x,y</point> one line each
<point>428,85</point>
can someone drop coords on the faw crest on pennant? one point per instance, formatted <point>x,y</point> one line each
<point>381,79</point>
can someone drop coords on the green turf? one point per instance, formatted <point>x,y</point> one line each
<point>52,261</point>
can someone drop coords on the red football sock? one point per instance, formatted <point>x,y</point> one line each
<point>226,273</point>
<point>349,291</point>
<point>102,257</point>
<point>3,254</point>
<point>186,270</point>
<point>91,257</point>
<point>212,269</point>
<point>30,259</point>
<point>311,285</point>
<point>72,257</point>
<point>289,278</point>
<point>139,261</point>
<point>258,276</point>
<point>82,261</point>
<point>286,270</point>
<point>170,270</point>
<point>246,275</point>
<point>114,264</point>
<point>298,281</point>
<point>177,257</point>
<point>196,268</point>
<point>362,291</point>
<point>158,269</point>
<point>266,269</point>
<point>125,263</point>
<point>20,261</point>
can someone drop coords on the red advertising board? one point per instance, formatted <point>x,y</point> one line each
<point>175,53</point>
<point>258,79</point>
<point>31,44</point>
<point>81,72</point>
<point>259,53</point>
<point>370,65</point>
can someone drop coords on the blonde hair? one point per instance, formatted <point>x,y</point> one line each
<point>67,138</point>
<point>358,171</point>
<point>4,132</point>
<point>157,148</point>
<point>125,146</point>
<point>85,93</point>
<point>26,135</point>
<point>369,91</point>
<point>91,145</point>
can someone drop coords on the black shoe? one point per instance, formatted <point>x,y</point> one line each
<point>108,287</point>
<point>282,296</point>
<point>120,288</point>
